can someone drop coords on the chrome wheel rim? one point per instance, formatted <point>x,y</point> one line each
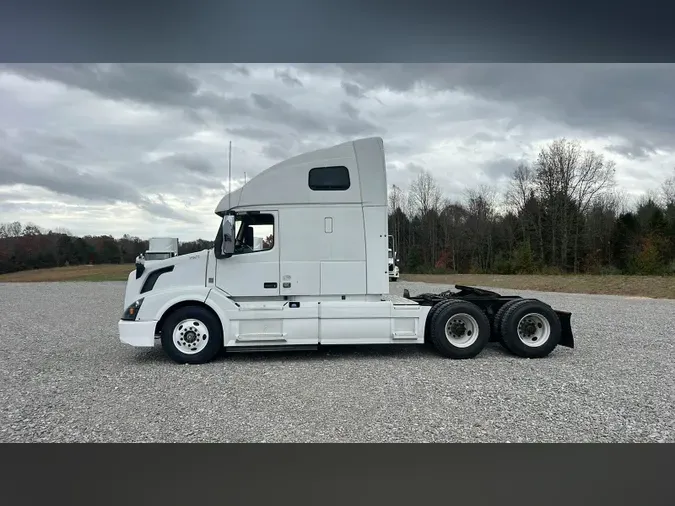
<point>461,330</point>
<point>190,336</point>
<point>534,330</point>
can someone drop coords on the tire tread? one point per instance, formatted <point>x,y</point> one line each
<point>213,347</point>
<point>510,337</point>
<point>441,343</point>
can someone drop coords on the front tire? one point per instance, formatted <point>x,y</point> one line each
<point>459,329</point>
<point>192,335</point>
<point>530,329</point>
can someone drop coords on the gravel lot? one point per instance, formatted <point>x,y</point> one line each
<point>66,377</point>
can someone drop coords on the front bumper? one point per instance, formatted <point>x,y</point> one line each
<point>140,334</point>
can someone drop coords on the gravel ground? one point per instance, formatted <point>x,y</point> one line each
<point>66,377</point>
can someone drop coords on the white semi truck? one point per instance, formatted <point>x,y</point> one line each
<point>320,277</point>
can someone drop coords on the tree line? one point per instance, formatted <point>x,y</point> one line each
<point>560,213</point>
<point>31,247</point>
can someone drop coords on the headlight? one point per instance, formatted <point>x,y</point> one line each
<point>131,312</point>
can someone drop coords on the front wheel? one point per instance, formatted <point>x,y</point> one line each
<point>530,329</point>
<point>192,335</point>
<point>459,329</point>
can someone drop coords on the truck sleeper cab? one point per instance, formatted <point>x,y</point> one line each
<point>300,260</point>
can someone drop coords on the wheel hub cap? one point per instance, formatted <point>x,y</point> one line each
<point>461,330</point>
<point>458,328</point>
<point>190,336</point>
<point>534,329</point>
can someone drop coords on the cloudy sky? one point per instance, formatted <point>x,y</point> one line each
<point>142,149</point>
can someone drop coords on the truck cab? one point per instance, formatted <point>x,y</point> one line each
<point>299,261</point>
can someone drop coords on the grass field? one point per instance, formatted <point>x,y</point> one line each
<point>637,286</point>
<point>103,272</point>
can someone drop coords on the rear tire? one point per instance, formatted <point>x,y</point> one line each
<point>499,317</point>
<point>530,329</point>
<point>192,335</point>
<point>459,329</point>
<point>427,327</point>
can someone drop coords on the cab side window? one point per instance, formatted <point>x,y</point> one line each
<point>254,233</point>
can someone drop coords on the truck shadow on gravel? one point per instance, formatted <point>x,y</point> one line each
<point>332,353</point>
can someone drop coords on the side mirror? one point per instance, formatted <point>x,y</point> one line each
<point>227,232</point>
<point>140,265</point>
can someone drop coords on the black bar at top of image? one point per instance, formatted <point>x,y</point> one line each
<point>346,31</point>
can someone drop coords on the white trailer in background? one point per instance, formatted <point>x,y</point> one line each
<point>320,277</point>
<point>160,248</point>
<point>393,260</point>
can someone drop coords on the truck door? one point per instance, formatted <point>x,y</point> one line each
<point>253,269</point>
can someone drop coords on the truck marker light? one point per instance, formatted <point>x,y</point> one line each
<point>131,312</point>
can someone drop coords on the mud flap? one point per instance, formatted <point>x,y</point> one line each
<point>567,338</point>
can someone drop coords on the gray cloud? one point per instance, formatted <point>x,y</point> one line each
<point>155,84</point>
<point>359,128</point>
<point>156,136</point>
<point>349,110</point>
<point>481,138</point>
<point>415,168</point>
<point>352,89</point>
<point>276,152</point>
<point>61,179</point>
<point>193,162</point>
<point>257,134</point>
<point>279,110</point>
<point>633,150</point>
<point>499,168</point>
<point>243,70</point>
<point>289,80</point>
<point>630,100</point>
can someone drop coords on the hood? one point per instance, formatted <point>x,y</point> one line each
<point>134,285</point>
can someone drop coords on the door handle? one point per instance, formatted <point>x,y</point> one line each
<point>270,285</point>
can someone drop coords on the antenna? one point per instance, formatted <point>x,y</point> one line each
<point>229,177</point>
<point>245,180</point>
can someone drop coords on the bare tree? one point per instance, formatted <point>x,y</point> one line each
<point>568,179</point>
<point>556,167</point>
<point>11,229</point>
<point>425,198</point>
<point>425,195</point>
<point>591,177</point>
<point>668,191</point>
<point>519,192</point>
<point>396,198</point>
<point>481,209</point>
<point>453,217</point>
<point>396,206</point>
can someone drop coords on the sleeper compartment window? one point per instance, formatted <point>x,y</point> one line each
<point>329,179</point>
